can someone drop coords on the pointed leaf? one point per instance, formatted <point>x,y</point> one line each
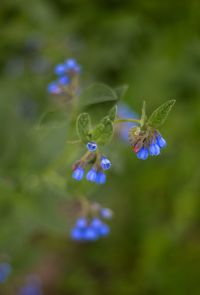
<point>112,113</point>
<point>97,93</point>
<point>103,132</point>
<point>159,116</point>
<point>54,119</point>
<point>83,126</point>
<point>120,91</point>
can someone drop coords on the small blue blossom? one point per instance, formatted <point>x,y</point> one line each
<point>104,230</point>
<point>60,69</point>
<point>77,234</point>
<point>101,178</point>
<point>96,223</point>
<point>154,149</point>
<point>81,222</point>
<point>143,153</point>
<point>53,88</point>
<point>101,228</point>
<point>106,213</point>
<point>91,146</point>
<point>64,80</point>
<point>105,164</point>
<point>72,65</point>
<point>78,173</point>
<point>161,141</point>
<point>92,175</point>
<point>5,271</point>
<point>90,234</point>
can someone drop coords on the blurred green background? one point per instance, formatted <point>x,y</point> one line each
<point>154,245</point>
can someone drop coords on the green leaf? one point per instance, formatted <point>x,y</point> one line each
<point>103,132</point>
<point>83,126</point>
<point>112,113</point>
<point>98,99</point>
<point>159,116</point>
<point>120,91</point>
<point>54,119</point>
<point>97,93</point>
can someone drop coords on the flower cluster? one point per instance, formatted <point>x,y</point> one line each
<point>99,164</point>
<point>65,73</point>
<point>91,228</point>
<point>145,143</point>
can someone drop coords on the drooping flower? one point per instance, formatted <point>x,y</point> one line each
<point>91,146</point>
<point>78,173</point>
<point>92,175</point>
<point>105,163</point>
<point>146,142</point>
<point>93,230</point>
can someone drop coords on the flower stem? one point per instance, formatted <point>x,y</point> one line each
<point>127,120</point>
<point>73,141</point>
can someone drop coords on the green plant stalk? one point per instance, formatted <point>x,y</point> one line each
<point>127,120</point>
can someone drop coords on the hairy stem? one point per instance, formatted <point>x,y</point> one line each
<point>73,141</point>
<point>122,120</point>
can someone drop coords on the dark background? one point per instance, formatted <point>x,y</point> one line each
<point>153,248</point>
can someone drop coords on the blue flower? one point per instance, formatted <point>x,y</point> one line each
<point>92,175</point>
<point>105,164</point>
<point>101,228</point>
<point>85,230</point>
<point>64,80</point>
<point>154,149</point>
<point>72,65</point>
<point>77,234</point>
<point>90,234</point>
<point>53,88</point>
<point>161,141</point>
<point>81,222</point>
<point>106,213</point>
<point>143,153</point>
<point>104,230</point>
<point>96,223</point>
<point>101,178</point>
<point>92,146</point>
<point>60,69</point>
<point>78,173</point>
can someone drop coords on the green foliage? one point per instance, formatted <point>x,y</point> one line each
<point>103,132</point>
<point>120,91</point>
<point>97,93</point>
<point>97,100</point>
<point>159,116</point>
<point>112,113</point>
<point>83,127</point>
<point>54,119</point>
